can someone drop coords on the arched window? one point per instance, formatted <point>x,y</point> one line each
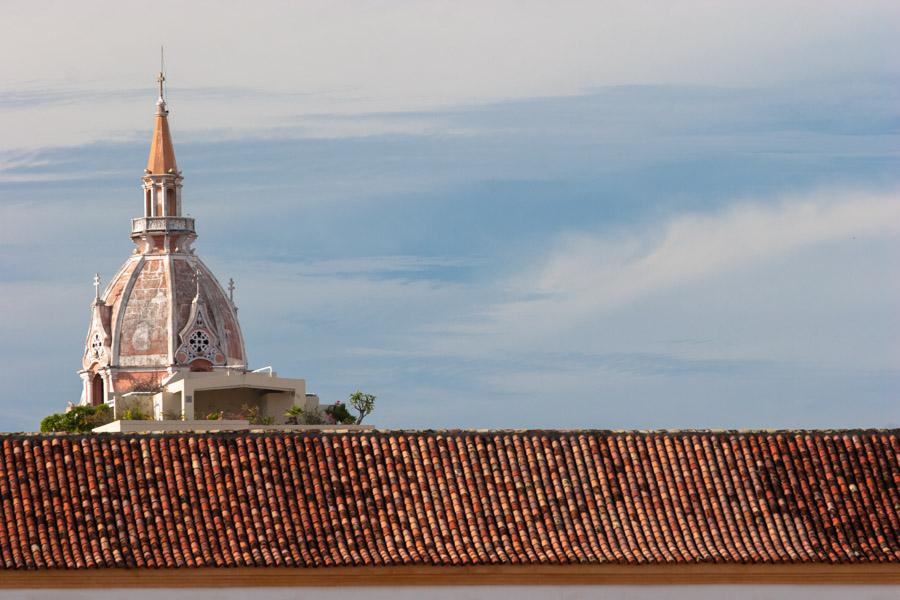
<point>170,202</point>
<point>147,203</point>
<point>98,394</point>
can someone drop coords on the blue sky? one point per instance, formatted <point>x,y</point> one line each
<point>604,215</point>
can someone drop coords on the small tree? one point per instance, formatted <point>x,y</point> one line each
<point>363,403</point>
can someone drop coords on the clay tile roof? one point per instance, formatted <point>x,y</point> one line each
<point>448,498</point>
<point>162,152</point>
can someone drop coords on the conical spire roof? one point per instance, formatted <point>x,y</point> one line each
<point>162,153</point>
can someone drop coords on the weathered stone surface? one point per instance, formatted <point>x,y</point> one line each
<point>144,331</point>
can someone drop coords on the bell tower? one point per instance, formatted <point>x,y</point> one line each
<point>162,179</point>
<point>162,227</point>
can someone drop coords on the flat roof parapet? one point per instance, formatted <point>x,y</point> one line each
<point>210,425</point>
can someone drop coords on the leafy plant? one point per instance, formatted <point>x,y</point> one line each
<point>297,416</point>
<point>78,419</point>
<point>363,403</point>
<point>339,414</point>
<point>294,415</point>
<point>134,414</point>
<point>255,416</point>
<point>312,417</point>
<point>216,416</point>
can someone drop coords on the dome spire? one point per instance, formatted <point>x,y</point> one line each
<point>162,228</point>
<point>162,152</point>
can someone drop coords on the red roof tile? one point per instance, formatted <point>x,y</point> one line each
<point>448,498</point>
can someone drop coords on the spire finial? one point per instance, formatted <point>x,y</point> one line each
<point>231,289</point>
<point>161,78</point>
<point>161,81</point>
<point>197,277</point>
<point>97,287</point>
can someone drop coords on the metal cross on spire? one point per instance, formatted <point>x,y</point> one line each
<point>161,78</point>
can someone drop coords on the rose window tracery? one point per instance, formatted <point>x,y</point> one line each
<point>199,343</point>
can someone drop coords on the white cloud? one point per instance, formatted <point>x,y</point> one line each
<point>590,275</point>
<point>763,298</point>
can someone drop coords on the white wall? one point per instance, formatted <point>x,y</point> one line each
<point>712,592</point>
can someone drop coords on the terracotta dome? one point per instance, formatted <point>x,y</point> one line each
<point>164,311</point>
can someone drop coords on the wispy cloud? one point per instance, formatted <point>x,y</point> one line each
<point>588,275</point>
<point>22,166</point>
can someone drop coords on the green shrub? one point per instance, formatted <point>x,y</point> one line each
<point>78,419</point>
<point>312,417</point>
<point>330,415</point>
<point>299,416</point>
<point>294,415</point>
<point>339,413</point>
<point>134,414</point>
<point>253,414</point>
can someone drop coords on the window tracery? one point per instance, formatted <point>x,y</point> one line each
<point>96,346</point>
<point>199,342</point>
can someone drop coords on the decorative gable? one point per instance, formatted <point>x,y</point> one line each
<point>98,342</point>
<point>198,340</point>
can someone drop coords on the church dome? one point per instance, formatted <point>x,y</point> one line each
<point>164,311</point>
<point>160,317</point>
